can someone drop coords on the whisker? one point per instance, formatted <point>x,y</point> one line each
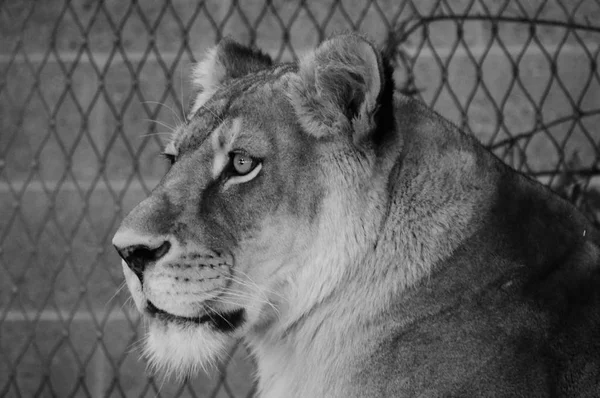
<point>177,120</point>
<point>159,133</point>
<point>238,304</point>
<point>252,288</point>
<point>212,112</point>
<point>126,302</point>
<point>244,301</point>
<point>181,92</point>
<point>258,287</point>
<point>162,384</point>
<point>136,345</point>
<point>253,307</point>
<point>249,297</point>
<point>210,309</point>
<point>229,297</point>
<point>262,299</point>
<point>145,324</point>
<point>161,123</point>
<point>123,284</point>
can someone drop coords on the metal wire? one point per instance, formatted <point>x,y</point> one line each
<point>79,79</point>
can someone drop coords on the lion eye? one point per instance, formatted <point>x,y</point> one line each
<point>242,163</point>
<point>242,168</point>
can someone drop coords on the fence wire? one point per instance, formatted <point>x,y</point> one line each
<point>87,93</point>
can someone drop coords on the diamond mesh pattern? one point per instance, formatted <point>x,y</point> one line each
<point>88,90</point>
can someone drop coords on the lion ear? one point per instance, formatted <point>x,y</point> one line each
<point>343,86</point>
<point>227,60</point>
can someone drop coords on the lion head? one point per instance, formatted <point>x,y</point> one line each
<point>276,184</point>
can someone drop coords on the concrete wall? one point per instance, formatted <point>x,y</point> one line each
<point>77,151</point>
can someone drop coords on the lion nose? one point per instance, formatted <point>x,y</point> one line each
<point>139,252</point>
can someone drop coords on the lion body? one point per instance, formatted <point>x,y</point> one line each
<point>375,250</point>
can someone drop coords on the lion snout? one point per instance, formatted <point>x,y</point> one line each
<point>185,278</point>
<point>139,251</point>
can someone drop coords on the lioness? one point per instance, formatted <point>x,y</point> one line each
<point>360,244</point>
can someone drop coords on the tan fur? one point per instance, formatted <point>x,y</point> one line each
<point>376,250</point>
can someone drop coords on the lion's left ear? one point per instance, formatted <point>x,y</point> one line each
<point>344,85</point>
<point>227,60</point>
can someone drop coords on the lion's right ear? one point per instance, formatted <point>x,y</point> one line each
<point>344,87</point>
<point>227,60</point>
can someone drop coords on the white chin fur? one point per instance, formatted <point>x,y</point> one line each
<point>177,350</point>
<point>182,351</point>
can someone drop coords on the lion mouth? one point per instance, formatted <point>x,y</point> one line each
<point>222,321</point>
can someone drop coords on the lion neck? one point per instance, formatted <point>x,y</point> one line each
<point>413,216</point>
<point>303,351</point>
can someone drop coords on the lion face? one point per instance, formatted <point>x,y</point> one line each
<point>258,198</point>
<point>230,212</point>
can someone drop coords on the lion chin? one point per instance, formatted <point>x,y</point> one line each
<point>183,350</point>
<point>180,346</point>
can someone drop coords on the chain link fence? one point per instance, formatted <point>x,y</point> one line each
<point>87,93</point>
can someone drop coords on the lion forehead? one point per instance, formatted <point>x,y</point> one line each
<point>254,100</point>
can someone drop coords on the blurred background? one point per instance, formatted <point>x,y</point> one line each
<point>88,90</point>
